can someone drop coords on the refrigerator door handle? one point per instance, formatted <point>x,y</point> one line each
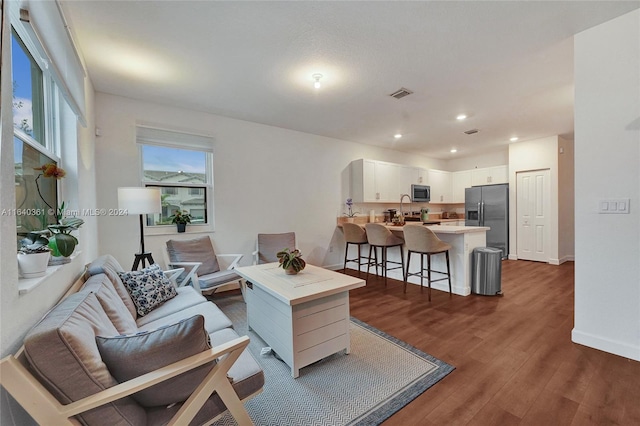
<point>482,214</point>
<point>479,215</point>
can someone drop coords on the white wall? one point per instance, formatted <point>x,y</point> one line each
<point>607,148</point>
<point>498,157</point>
<point>538,154</point>
<point>566,198</point>
<point>266,179</point>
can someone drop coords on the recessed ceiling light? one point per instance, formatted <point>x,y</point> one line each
<point>397,136</point>
<point>453,150</point>
<point>317,78</point>
<point>461,117</point>
<point>513,139</point>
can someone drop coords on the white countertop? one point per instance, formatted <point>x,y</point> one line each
<point>443,229</point>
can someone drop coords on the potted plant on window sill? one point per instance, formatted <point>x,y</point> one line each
<point>291,261</point>
<point>181,219</point>
<point>33,255</point>
<point>62,243</point>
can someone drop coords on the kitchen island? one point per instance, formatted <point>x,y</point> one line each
<point>463,240</point>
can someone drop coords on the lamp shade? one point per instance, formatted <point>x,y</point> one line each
<point>139,200</point>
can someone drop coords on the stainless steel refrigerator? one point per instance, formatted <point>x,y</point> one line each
<point>489,206</point>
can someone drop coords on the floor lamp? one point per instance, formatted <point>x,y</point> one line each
<point>137,200</point>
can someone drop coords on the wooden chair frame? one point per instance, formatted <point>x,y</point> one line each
<point>45,408</point>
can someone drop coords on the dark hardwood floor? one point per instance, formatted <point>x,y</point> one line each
<point>515,362</point>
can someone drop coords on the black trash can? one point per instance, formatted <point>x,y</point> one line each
<point>486,272</point>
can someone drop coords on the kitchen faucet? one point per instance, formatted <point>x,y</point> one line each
<point>410,206</point>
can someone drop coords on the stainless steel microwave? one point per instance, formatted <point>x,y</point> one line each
<point>420,193</point>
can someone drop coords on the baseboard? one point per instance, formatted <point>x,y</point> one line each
<point>554,261</point>
<point>513,257</point>
<point>335,267</point>
<point>607,345</point>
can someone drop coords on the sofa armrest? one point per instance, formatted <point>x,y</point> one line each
<point>44,408</point>
<point>234,262</point>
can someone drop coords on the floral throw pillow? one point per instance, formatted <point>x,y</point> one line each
<point>149,288</point>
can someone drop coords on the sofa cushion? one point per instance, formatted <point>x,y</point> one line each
<point>196,250</point>
<point>214,318</point>
<point>111,302</point>
<point>63,353</point>
<point>108,265</point>
<point>148,288</point>
<point>246,378</point>
<point>187,297</point>
<point>131,356</point>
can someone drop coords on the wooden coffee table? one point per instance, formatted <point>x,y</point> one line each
<point>303,317</point>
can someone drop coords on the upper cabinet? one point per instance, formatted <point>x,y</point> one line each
<point>490,175</point>
<point>374,181</point>
<point>440,183</point>
<point>381,182</point>
<point>459,181</point>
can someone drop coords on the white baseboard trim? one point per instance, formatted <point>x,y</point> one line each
<point>513,257</point>
<point>607,345</point>
<point>335,267</point>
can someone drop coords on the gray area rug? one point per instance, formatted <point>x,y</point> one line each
<point>379,377</point>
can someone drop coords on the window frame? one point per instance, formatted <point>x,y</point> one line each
<point>50,146</point>
<point>182,142</point>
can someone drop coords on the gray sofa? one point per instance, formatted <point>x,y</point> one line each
<point>95,340</point>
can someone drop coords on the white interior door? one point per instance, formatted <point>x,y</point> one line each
<point>533,200</point>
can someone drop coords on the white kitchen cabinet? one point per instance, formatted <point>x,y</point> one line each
<point>440,183</point>
<point>407,176</point>
<point>459,181</point>
<point>374,181</point>
<point>490,175</point>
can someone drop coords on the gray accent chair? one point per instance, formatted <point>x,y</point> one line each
<point>268,245</point>
<point>201,264</point>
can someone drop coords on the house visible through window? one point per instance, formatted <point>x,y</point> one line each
<point>184,176</point>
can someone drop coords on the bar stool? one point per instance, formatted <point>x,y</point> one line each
<point>380,237</point>
<point>354,234</point>
<point>422,240</point>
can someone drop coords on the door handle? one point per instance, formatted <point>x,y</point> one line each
<point>479,216</point>
<point>482,214</point>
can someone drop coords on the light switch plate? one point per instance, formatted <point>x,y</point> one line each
<point>614,206</point>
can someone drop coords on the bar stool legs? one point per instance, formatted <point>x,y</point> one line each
<point>359,259</point>
<point>384,262</point>
<point>420,274</point>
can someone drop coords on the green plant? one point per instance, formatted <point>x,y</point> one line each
<point>291,259</point>
<point>34,242</point>
<point>62,243</point>
<point>181,217</point>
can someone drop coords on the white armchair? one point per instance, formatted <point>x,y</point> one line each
<point>202,267</point>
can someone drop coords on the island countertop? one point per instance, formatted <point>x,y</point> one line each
<point>438,229</point>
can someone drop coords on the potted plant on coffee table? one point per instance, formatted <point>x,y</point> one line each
<point>181,218</point>
<point>291,261</point>
<point>33,254</point>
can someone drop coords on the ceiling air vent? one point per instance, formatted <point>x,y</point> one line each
<point>399,94</point>
<point>471,132</point>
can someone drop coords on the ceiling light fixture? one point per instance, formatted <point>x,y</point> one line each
<point>397,136</point>
<point>513,139</point>
<point>453,150</point>
<point>461,117</point>
<point>317,78</point>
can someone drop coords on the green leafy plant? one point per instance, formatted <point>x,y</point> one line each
<point>181,217</point>
<point>62,243</point>
<point>291,260</point>
<point>34,242</point>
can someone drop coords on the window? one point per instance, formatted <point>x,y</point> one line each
<point>182,171</point>
<point>28,93</point>
<point>35,110</point>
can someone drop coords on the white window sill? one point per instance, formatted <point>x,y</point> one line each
<point>26,285</point>
<point>172,230</point>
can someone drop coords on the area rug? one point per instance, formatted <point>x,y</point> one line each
<point>379,377</point>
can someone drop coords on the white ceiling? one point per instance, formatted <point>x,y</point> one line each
<point>507,65</point>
